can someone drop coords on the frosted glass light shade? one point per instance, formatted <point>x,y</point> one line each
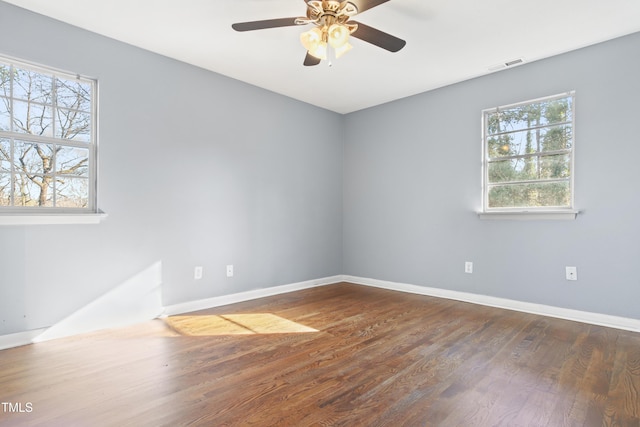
<point>342,49</point>
<point>312,41</point>
<point>338,35</point>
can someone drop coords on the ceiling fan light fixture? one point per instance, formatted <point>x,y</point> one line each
<point>332,28</point>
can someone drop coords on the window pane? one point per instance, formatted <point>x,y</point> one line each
<point>5,80</point>
<point>72,192</point>
<point>530,168</point>
<point>556,166</point>
<point>32,158</point>
<point>506,170</point>
<point>550,194</point>
<point>72,161</point>
<point>5,189</point>
<point>530,115</point>
<point>32,86</point>
<point>5,117</point>
<point>5,155</point>
<point>73,94</point>
<point>33,191</point>
<point>72,124</point>
<point>33,119</point>
<point>531,141</point>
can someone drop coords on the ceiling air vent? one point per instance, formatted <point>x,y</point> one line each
<point>506,64</point>
<point>514,62</point>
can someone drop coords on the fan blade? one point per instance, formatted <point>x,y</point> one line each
<point>378,38</point>
<point>363,5</point>
<point>311,60</point>
<point>267,23</point>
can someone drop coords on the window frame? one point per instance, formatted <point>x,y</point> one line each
<point>529,212</point>
<point>18,215</point>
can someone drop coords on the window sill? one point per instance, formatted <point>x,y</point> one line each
<point>529,216</point>
<point>52,218</point>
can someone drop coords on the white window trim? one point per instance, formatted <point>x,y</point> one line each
<point>527,213</point>
<point>569,214</point>
<point>52,218</point>
<point>46,216</point>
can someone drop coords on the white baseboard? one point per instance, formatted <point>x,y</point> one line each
<point>624,323</point>
<point>19,338</point>
<point>203,304</point>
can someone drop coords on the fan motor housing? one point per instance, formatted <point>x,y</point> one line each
<point>329,11</point>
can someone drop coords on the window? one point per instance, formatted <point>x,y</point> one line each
<point>528,156</point>
<point>47,140</point>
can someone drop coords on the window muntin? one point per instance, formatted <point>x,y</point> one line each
<point>528,155</point>
<point>47,140</point>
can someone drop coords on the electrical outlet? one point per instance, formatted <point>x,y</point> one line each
<point>571,273</point>
<point>468,267</point>
<point>197,273</point>
<point>230,270</point>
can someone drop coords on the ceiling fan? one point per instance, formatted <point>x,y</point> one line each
<point>332,28</point>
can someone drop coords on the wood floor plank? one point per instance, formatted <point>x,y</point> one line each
<point>338,355</point>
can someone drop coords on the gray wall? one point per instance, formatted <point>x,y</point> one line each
<point>195,169</point>
<point>412,173</point>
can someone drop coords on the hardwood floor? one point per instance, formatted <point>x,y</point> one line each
<point>338,355</point>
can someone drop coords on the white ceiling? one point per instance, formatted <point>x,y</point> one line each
<point>447,40</point>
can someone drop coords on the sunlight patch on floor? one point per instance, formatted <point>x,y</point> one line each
<point>234,324</point>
